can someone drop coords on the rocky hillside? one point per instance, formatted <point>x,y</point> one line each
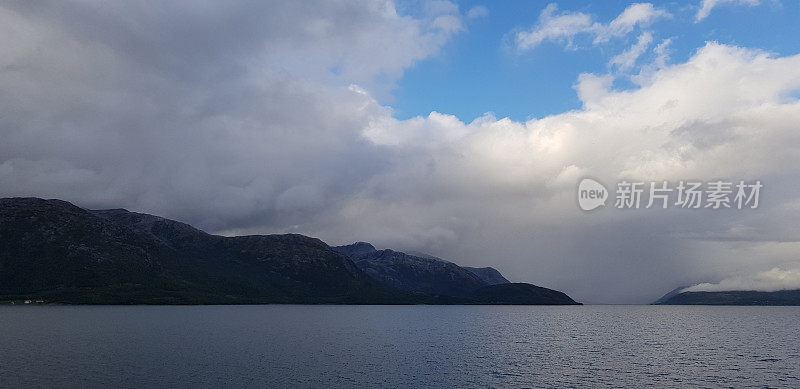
<point>520,294</point>
<point>489,275</point>
<point>58,252</point>
<point>423,273</point>
<point>412,273</point>
<point>55,252</point>
<point>737,297</point>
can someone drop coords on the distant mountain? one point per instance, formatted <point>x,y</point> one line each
<point>423,273</point>
<point>412,273</point>
<point>56,252</point>
<point>520,294</point>
<point>669,295</point>
<point>489,275</point>
<point>746,297</point>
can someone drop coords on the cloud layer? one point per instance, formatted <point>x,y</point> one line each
<point>769,281</point>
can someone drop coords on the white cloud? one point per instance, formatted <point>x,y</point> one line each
<point>636,15</point>
<point>723,113</point>
<point>769,281</point>
<point>560,28</point>
<point>564,27</point>
<point>707,5</point>
<point>477,12</point>
<point>625,60</point>
<point>662,53</point>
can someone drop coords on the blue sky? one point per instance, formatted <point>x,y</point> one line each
<point>480,71</point>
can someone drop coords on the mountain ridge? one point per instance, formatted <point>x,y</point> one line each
<point>60,253</point>
<point>735,297</point>
<point>424,273</point>
<point>412,273</point>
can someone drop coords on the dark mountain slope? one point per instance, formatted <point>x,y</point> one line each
<point>520,294</point>
<point>427,274</point>
<point>54,244</point>
<point>57,252</point>
<point>412,273</point>
<point>742,297</point>
<point>277,264</point>
<point>489,275</point>
<point>356,250</point>
<point>54,250</point>
<point>669,295</point>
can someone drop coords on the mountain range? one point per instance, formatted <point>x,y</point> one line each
<point>734,297</point>
<point>55,252</point>
<point>413,273</point>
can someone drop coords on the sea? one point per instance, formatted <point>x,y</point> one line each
<point>327,346</point>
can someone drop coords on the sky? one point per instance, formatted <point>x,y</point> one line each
<point>458,129</point>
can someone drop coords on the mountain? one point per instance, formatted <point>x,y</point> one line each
<point>489,275</point>
<point>520,294</point>
<point>669,295</point>
<point>55,251</point>
<point>356,250</point>
<point>745,297</point>
<point>423,273</point>
<point>412,273</point>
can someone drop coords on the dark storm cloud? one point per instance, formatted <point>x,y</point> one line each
<point>218,113</point>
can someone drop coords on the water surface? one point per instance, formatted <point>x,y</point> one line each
<point>398,346</point>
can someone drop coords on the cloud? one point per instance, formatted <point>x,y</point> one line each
<point>242,109</point>
<point>564,27</point>
<point>707,5</point>
<point>560,28</point>
<point>477,12</point>
<point>262,118</point>
<point>723,113</point>
<point>662,53</point>
<point>769,281</point>
<point>625,60</point>
<point>639,14</point>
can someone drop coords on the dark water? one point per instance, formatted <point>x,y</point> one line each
<point>406,346</point>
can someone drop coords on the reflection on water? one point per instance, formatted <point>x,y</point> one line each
<point>407,346</point>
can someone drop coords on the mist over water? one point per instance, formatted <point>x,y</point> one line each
<point>398,346</point>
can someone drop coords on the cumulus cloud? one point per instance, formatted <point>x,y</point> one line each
<point>723,113</point>
<point>565,26</point>
<point>259,118</point>
<point>243,109</point>
<point>707,5</point>
<point>768,281</point>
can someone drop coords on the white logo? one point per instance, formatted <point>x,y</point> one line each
<point>591,194</point>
